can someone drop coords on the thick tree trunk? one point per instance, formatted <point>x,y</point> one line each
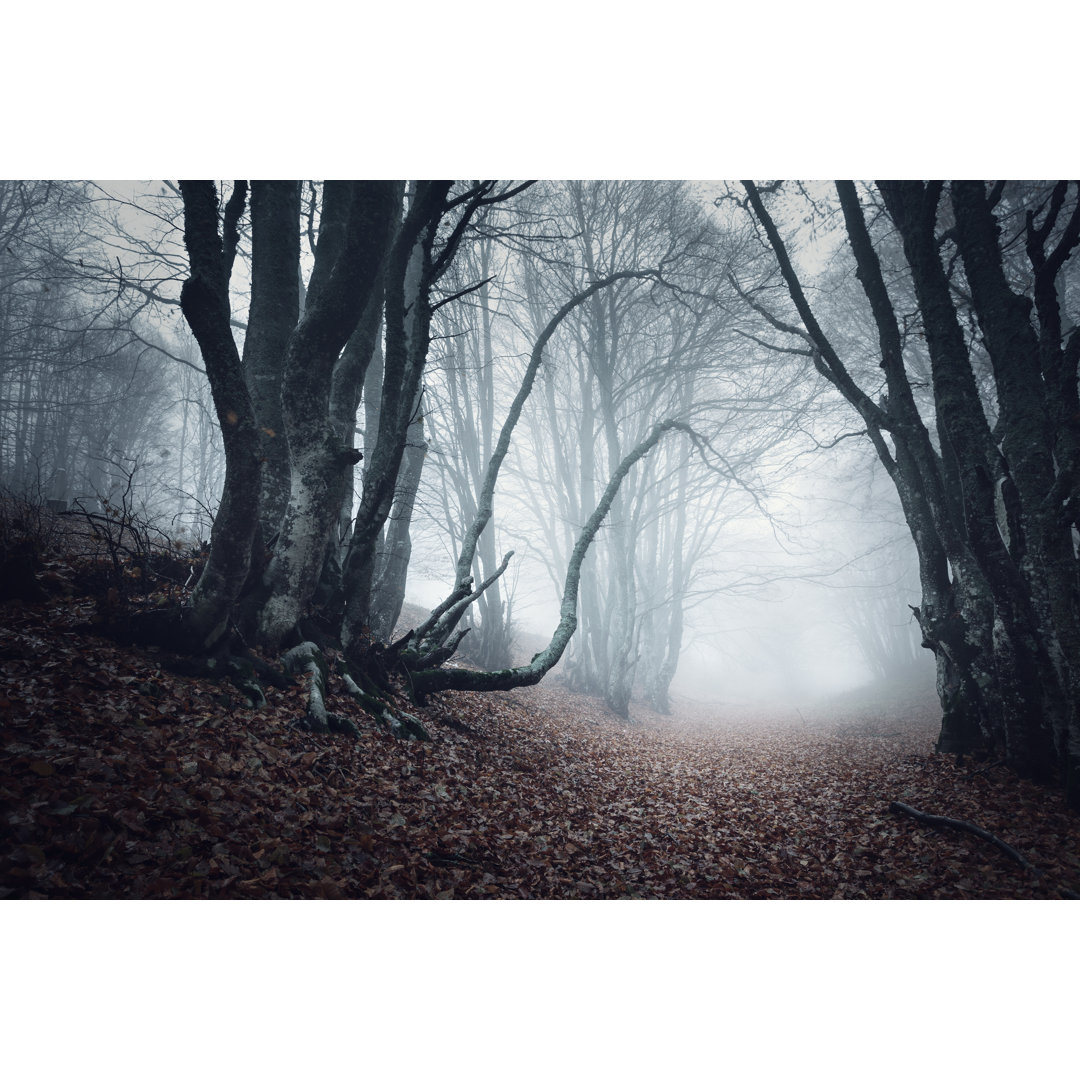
<point>204,301</point>
<point>1020,695</point>
<point>354,235</point>
<point>272,318</point>
<point>392,566</point>
<point>361,356</point>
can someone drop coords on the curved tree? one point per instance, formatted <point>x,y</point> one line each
<point>428,680</point>
<point>988,477</point>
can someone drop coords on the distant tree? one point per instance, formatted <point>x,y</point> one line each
<point>876,585</point>
<point>634,355</point>
<point>441,636</point>
<point>83,386</point>
<point>460,405</point>
<point>429,678</point>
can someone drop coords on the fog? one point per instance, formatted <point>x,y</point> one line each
<point>789,641</point>
<point>798,570</point>
<point>785,602</point>
<point>795,573</point>
<point>756,555</point>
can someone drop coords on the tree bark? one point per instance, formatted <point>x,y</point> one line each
<point>1022,720</point>
<point>272,318</point>
<point>392,566</point>
<point>204,300</point>
<point>354,234</point>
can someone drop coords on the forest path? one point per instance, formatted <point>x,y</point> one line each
<point>722,801</point>
<point>119,779</point>
<point>717,800</point>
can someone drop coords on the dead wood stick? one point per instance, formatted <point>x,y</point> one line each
<point>986,768</point>
<point>966,826</point>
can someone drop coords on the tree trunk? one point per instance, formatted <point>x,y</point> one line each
<point>272,318</point>
<point>354,234</point>
<point>392,567</point>
<point>204,300</point>
<point>408,323</point>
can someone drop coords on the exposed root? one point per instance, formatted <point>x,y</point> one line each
<point>307,659</point>
<point>964,826</point>
<point>402,724</point>
<point>245,671</point>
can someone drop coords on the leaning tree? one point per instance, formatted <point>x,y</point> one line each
<point>287,407</point>
<point>971,405</point>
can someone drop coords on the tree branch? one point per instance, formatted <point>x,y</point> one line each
<point>937,821</point>
<point>428,682</point>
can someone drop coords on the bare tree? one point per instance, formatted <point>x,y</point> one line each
<point>460,403</point>
<point>987,481</point>
<point>67,364</point>
<point>426,680</point>
<point>630,357</point>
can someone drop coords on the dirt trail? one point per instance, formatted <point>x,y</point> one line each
<point>119,779</point>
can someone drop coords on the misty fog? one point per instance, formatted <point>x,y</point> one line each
<point>766,563</point>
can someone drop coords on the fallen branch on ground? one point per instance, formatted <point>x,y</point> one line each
<point>987,768</point>
<point>965,826</point>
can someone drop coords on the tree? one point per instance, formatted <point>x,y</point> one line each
<point>206,306</point>
<point>434,638</point>
<point>356,231</point>
<point>987,479</point>
<point>428,679</point>
<point>292,401</point>
<point>634,355</point>
<point>68,360</point>
<point>460,405</point>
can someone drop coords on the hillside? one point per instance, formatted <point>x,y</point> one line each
<point>121,780</point>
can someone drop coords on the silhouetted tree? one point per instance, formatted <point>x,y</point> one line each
<point>988,477</point>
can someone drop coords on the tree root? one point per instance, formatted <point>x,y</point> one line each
<point>402,724</point>
<point>245,671</point>
<point>953,823</point>
<point>307,659</point>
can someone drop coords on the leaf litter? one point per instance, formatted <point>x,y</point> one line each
<point>119,779</point>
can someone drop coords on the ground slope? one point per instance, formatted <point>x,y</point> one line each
<point>121,780</point>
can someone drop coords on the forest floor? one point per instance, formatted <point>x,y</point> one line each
<point>119,780</point>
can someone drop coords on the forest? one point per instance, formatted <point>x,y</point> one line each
<point>540,539</point>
